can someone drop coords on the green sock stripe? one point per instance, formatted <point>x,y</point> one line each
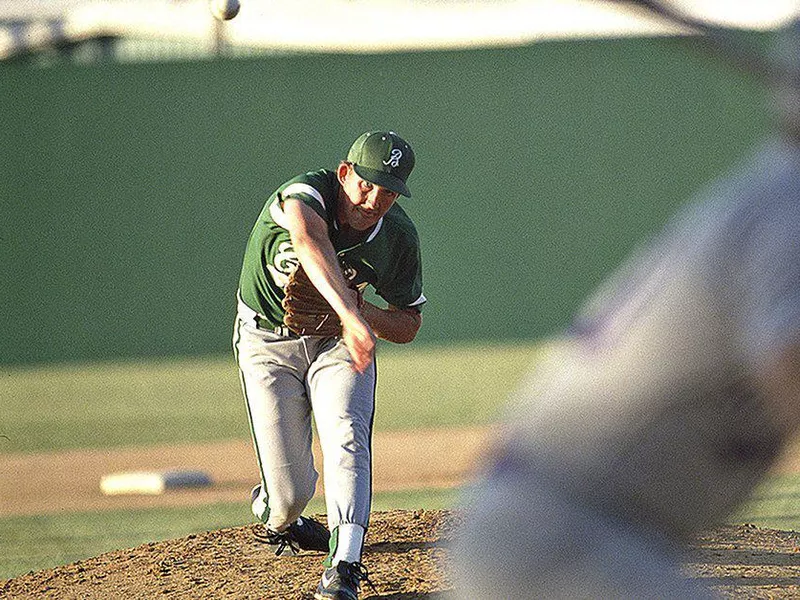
<point>328,562</point>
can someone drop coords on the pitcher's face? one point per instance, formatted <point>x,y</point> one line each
<point>362,203</point>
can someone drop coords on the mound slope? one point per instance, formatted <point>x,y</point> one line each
<point>406,553</point>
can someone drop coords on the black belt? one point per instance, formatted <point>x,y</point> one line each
<point>282,330</point>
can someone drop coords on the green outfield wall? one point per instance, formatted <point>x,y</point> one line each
<point>128,190</point>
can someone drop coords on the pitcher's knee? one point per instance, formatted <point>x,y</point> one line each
<point>285,510</point>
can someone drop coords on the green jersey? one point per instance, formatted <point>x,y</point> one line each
<point>388,259</point>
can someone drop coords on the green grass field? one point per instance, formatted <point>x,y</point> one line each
<point>125,404</point>
<point>114,405</point>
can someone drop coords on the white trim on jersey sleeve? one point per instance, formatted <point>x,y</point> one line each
<point>276,212</point>
<point>421,300</point>
<point>303,188</point>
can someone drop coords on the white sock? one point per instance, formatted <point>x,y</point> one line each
<point>349,542</point>
<point>259,505</point>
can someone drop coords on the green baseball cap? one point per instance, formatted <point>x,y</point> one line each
<point>383,158</point>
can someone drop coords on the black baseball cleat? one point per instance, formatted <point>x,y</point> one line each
<point>342,582</point>
<point>304,534</point>
<point>310,534</point>
<point>281,543</point>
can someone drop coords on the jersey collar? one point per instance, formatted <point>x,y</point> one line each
<point>372,235</point>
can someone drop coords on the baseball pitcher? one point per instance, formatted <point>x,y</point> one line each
<point>304,341</point>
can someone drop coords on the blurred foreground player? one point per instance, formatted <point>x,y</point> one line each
<point>663,407</point>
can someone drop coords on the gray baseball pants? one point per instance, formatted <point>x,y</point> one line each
<point>284,380</point>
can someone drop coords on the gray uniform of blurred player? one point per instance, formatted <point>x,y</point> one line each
<point>660,411</point>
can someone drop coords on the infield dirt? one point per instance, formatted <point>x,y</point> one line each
<point>406,551</point>
<point>70,481</point>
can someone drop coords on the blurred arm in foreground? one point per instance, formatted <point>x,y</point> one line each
<point>665,405</point>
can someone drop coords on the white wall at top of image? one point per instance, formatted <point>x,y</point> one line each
<point>756,14</point>
<point>35,9</point>
<point>744,13</point>
<point>376,25</point>
<point>368,26</point>
<point>385,25</point>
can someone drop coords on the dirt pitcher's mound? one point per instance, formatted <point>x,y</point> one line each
<point>406,554</point>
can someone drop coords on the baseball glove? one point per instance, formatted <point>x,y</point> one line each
<point>306,310</point>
